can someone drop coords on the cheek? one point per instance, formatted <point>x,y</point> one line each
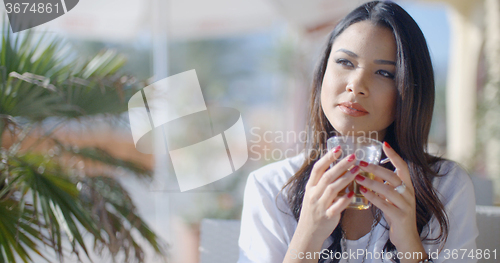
<point>330,87</point>
<point>326,92</point>
<point>324,100</point>
<point>328,98</point>
<point>390,104</point>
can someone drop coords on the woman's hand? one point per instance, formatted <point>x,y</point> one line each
<point>399,208</point>
<point>321,206</point>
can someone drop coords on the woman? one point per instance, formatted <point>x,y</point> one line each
<point>375,78</point>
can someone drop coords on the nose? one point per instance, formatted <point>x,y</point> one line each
<point>359,83</point>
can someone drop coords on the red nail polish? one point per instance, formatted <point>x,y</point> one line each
<point>337,149</point>
<point>355,169</point>
<point>360,178</point>
<point>363,163</point>
<point>387,145</point>
<point>350,194</point>
<point>351,157</point>
<point>363,189</point>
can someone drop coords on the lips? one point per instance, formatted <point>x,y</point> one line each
<point>352,109</point>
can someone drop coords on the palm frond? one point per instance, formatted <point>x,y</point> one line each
<point>17,233</point>
<point>98,155</point>
<point>41,201</point>
<point>58,200</point>
<point>118,217</point>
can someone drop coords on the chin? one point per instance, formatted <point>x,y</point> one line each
<point>359,132</point>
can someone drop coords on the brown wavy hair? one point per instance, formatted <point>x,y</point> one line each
<point>409,132</point>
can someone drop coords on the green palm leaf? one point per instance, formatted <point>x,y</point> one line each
<point>42,201</point>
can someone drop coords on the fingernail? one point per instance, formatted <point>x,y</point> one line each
<point>337,149</point>
<point>387,145</point>
<point>350,194</point>
<point>351,157</point>
<point>363,163</point>
<point>360,178</point>
<point>363,189</point>
<point>355,169</point>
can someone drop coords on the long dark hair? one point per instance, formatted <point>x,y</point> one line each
<point>407,134</point>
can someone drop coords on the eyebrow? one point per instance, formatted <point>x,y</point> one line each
<point>384,62</point>
<point>348,52</point>
<point>377,61</point>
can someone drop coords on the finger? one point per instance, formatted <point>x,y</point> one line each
<point>389,210</point>
<point>335,172</point>
<point>376,178</point>
<point>333,189</point>
<point>340,205</point>
<point>388,191</point>
<point>322,164</point>
<point>384,198</point>
<point>381,172</point>
<point>400,164</point>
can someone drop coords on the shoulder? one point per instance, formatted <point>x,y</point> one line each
<point>274,176</point>
<point>452,173</point>
<point>453,180</point>
<point>267,222</point>
<point>456,192</point>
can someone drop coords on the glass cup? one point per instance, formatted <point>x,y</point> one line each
<point>367,150</point>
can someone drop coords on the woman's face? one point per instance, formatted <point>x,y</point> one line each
<point>358,94</point>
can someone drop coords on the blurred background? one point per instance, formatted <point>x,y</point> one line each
<point>64,112</point>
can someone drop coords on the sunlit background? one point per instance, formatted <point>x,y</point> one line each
<point>258,57</point>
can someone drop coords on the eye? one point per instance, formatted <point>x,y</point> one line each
<point>385,73</point>
<point>344,62</point>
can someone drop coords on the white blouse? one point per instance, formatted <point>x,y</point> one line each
<point>267,223</point>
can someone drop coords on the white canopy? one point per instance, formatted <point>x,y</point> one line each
<point>123,20</point>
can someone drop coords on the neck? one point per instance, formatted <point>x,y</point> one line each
<point>357,223</point>
<point>375,135</point>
